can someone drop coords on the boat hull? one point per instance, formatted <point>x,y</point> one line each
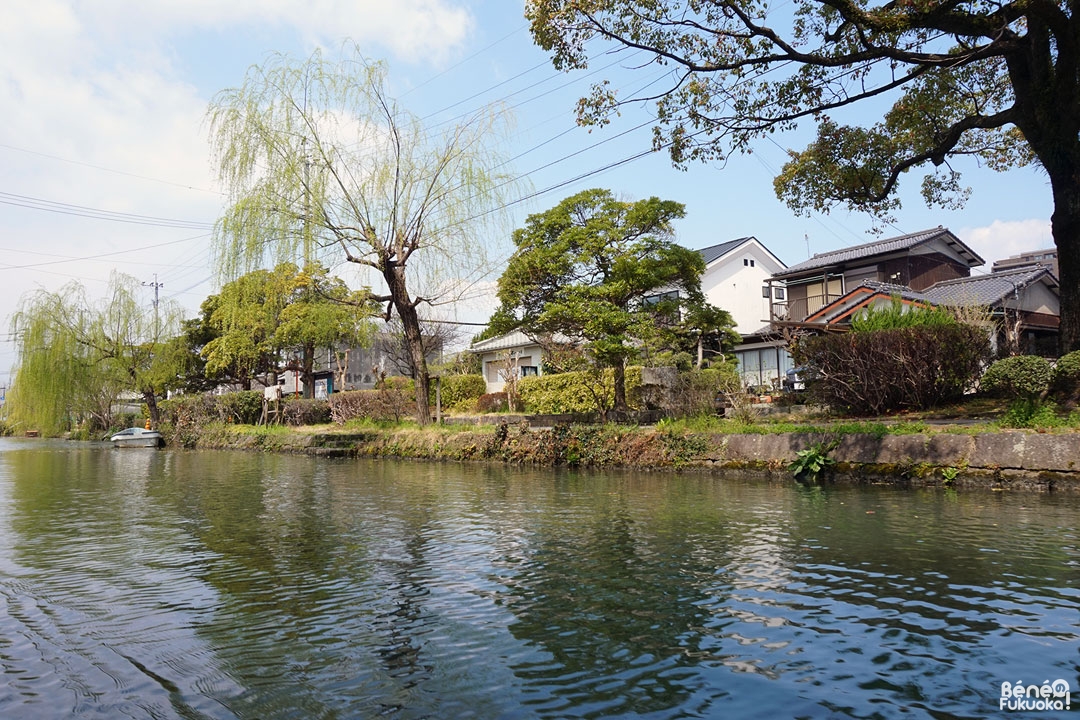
<point>137,438</point>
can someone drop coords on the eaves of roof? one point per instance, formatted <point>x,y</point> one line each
<point>840,258</point>
<point>990,289</point>
<point>714,252</point>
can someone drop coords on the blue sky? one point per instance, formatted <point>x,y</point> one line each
<point>104,105</point>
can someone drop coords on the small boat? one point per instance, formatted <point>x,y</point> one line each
<point>137,437</point>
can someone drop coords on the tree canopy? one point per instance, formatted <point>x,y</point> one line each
<point>320,162</point>
<point>76,356</point>
<point>601,272</point>
<point>999,81</point>
<point>267,319</point>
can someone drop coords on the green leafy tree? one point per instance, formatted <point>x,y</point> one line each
<point>242,319</point>
<point>321,163</point>
<point>993,80</point>
<point>319,312</point>
<point>265,315</point>
<point>587,269</point>
<point>76,357</point>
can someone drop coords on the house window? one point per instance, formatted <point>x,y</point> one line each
<point>778,293</point>
<point>671,295</point>
<point>751,263</point>
<point>745,262</point>
<point>765,291</point>
<point>529,371</point>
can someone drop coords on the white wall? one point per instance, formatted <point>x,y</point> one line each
<point>731,285</point>
<point>1036,298</point>
<point>493,361</point>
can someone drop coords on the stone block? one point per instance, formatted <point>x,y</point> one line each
<point>858,448</point>
<point>1051,452</point>
<point>949,450</point>
<point>901,449</point>
<point>998,450</point>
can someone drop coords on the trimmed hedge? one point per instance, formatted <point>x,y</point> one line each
<point>459,392</point>
<point>243,407</point>
<point>304,411</point>
<point>1065,381</point>
<point>392,401</point>
<point>492,403</point>
<point>868,373</point>
<point>1021,377</point>
<point>576,392</point>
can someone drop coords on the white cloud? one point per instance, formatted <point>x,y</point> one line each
<point>103,86</point>
<point>411,30</point>
<point>1001,239</point>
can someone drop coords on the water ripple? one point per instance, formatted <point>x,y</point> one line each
<point>195,585</point>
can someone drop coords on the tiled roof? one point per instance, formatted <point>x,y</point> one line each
<point>503,342</point>
<point>716,251</point>
<point>986,289</point>
<point>884,247</point>
<point>513,339</point>
<point>856,295</point>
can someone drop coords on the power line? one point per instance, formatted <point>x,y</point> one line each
<point>109,170</point>
<point>102,255</point>
<point>98,214</point>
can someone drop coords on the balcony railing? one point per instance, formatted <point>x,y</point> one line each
<point>798,309</point>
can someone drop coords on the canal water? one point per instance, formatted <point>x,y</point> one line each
<point>171,584</point>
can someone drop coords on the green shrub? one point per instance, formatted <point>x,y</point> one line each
<point>1023,376</point>
<point>1065,380</point>
<point>244,407</point>
<point>809,463</point>
<point>580,392</point>
<point>460,392</point>
<point>898,315</point>
<point>1031,413</point>
<point>867,373</point>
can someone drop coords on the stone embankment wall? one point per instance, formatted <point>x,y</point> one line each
<point>1006,459</point>
<point>991,451</point>
<point>999,460</point>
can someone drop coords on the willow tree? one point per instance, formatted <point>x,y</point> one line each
<point>321,163</point>
<point>77,357</point>
<point>997,80</point>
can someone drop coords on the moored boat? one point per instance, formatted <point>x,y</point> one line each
<point>137,437</point>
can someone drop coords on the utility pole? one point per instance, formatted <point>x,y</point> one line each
<point>156,285</point>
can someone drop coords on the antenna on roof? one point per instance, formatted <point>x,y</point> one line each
<point>806,238</point>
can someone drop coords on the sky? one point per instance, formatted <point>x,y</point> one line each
<point>105,163</point>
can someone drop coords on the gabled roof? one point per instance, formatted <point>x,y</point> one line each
<point>861,296</point>
<point>513,339</point>
<point>509,340</point>
<point>715,252</point>
<point>885,247</point>
<point>982,290</point>
<point>991,289</point>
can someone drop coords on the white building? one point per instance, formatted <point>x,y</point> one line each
<point>736,274</point>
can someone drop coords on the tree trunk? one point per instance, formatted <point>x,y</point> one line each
<point>152,407</point>
<point>309,372</point>
<point>620,389</point>
<point>1065,224</point>
<point>414,341</point>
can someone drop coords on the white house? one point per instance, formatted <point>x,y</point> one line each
<point>736,279</point>
<point>736,276</point>
<point>513,352</point>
